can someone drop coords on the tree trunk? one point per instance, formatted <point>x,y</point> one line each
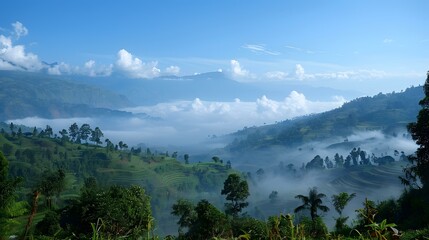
<point>32,214</point>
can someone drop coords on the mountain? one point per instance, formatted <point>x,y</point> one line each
<point>212,86</point>
<point>26,94</point>
<point>389,113</point>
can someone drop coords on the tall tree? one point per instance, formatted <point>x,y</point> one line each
<point>340,201</point>
<point>7,195</point>
<point>74,132</point>
<point>84,132</point>
<point>96,136</point>
<point>419,131</point>
<point>236,191</point>
<point>186,211</point>
<point>312,202</point>
<point>51,184</point>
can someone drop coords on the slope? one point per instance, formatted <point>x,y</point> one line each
<point>386,112</point>
<point>25,94</point>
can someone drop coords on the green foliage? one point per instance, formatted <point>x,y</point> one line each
<point>341,200</point>
<point>185,210</point>
<point>381,112</point>
<point>419,130</point>
<point>315,228</point>
<point>210,222</point>
<point>236,191</point>
<point>51,184</point>
<point>254,228</point>
<point>312,202</point>
<point>8,188</point>
<point>50,224</point>
<point>124,211</point>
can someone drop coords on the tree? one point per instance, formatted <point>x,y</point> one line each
<point>236,191</point>
<point>186,157</point>
<point>216,159</point>
<point>312,202</point>
<point>48,131</point>
<point>74,132</point>
<point>8,188</point>
<point>51,184</point>
<point>340,201</point>
<point>273,196</point>
<point>210,222</point>
<point>84,132</point>
<point>186,211</point>
<point>96,136</point>
<point>125,211</point>
<point>419,130</point>
<point>64,135</point>
<point>316,163</point>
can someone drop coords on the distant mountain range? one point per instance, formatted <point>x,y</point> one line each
<point>212,86</point>
<point>389,113</point>
<point>25,94</point>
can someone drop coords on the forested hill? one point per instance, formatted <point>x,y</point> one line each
<point>389,113</point>
<point>25,94</point>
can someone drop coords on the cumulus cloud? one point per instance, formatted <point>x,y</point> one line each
<point>14,57</point>
<point>59,69</point>
<point>89,68</point>
<point>259,48</point>
<point>92,69</point>
<point>387,40</point>
<point>238,71</point>
<point>19,29</point>
<point>174,70</point>
<point>134,67</point>
<point>299,72</point>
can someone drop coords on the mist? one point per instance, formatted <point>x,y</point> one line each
<point>274,162</point>
<point>190,123</point>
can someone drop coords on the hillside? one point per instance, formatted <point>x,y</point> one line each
<point>389,113</point>
<point>25,94</point>
<point>165,178</point>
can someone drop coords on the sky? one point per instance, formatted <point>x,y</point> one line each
<point>368,46</point>
<point>317,41</point>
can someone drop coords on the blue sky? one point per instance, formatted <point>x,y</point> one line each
<point>334,43</point>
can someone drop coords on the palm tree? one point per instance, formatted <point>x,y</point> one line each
<point>341,200</point>
<point>313,202</point>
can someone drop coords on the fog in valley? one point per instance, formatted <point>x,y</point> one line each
<point>198,128</point>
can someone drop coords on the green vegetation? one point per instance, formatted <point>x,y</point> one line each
<point>83,190</point>
<point>385,112</point>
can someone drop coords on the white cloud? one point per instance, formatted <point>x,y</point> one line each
<point>59,69</point>
<point>278,75</point>
<point>19,30</point>
<point>238,72</point>
<point>91,69</point>
<point>259,48</point>
<point>302,49</point>
<point>204,117</point>
<point>14,57</point>
<point>134,67</point>
<point>299,72</point>
<point>174,70</point>
<point>387,40</point>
